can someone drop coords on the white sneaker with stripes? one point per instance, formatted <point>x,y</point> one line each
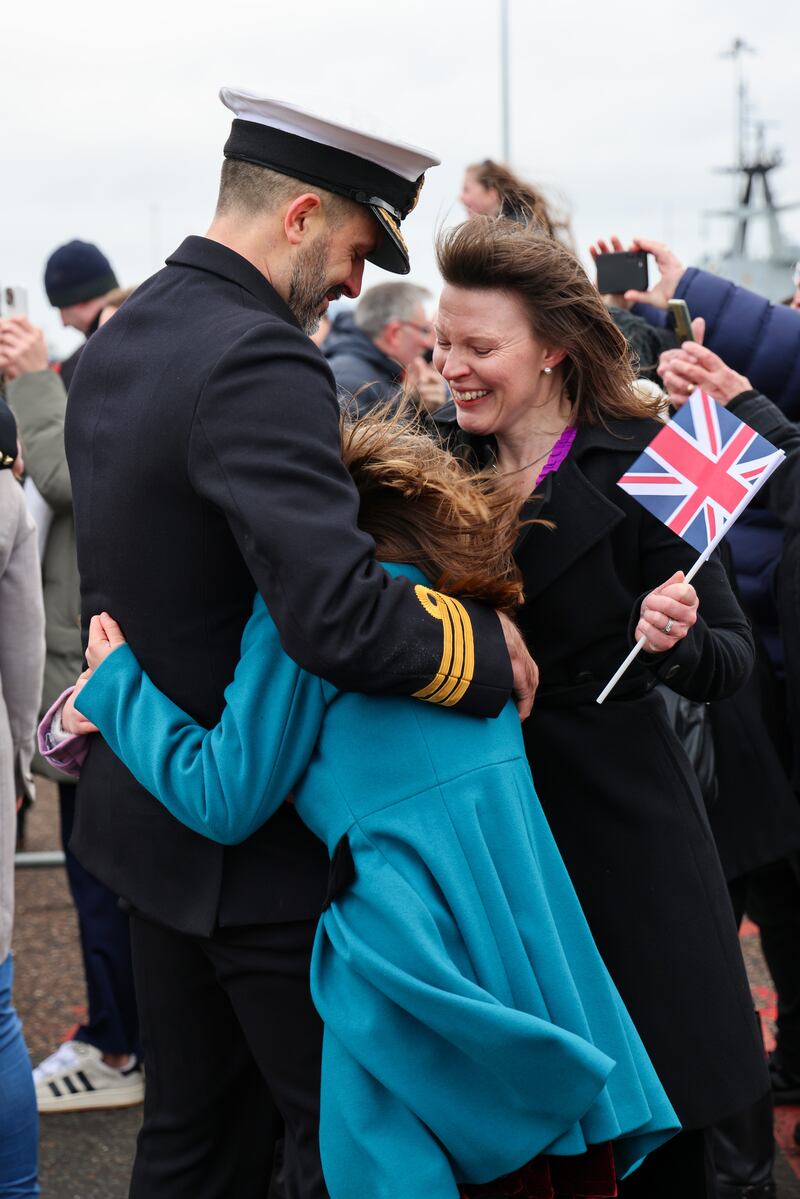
<point>75,1078</point>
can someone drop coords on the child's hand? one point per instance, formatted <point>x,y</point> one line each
<point>105,636</point>
<point>71,719</point>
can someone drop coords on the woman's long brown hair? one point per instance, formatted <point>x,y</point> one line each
<point>521,200</point>
<point>423,507</point>
<point>563,307</point>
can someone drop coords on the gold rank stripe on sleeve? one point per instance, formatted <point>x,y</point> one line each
<point>457,666</point>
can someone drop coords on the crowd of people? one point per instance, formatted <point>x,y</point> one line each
<point>374,898</point>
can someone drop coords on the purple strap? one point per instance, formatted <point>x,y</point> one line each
<point>558,452</point>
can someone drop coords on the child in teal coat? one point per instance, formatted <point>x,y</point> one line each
<point>470,1024</point>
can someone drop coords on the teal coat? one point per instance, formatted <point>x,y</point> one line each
<point>470,1023</point>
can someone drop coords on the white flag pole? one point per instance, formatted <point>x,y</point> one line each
<point>706,554</point>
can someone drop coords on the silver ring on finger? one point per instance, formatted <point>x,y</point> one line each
<point>668,625</point>
<point>689,388</point>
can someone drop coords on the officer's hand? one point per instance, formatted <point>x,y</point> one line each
<point>526,672</point>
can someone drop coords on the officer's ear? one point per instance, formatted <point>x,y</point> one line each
<point>302,215</point>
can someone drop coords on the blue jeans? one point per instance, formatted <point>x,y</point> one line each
<point>113,1024</point>
<point>19,1121</point>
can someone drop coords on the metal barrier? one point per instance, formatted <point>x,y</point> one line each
<point>50,857</point>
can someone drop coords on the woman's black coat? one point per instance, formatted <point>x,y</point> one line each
<point>614,781</point>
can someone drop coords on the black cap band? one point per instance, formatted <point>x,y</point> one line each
<point>323,166</point>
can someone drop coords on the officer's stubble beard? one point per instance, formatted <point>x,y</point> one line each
<point>308,286</point>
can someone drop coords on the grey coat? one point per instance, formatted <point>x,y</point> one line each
<point>21,664</point>
<point>39,403</point>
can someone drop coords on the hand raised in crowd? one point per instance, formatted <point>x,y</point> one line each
<point>71,719</point>
<point>614,299</point>
<point>667,614</point>
<point>525,670</point>
<point>669,265</point>
<point>429,386</point>
<point>105,636</point>
<point>22,347</point>
<point>693,365</point>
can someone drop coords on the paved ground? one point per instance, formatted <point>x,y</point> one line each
<point>88,1155</point>
<point>787,1163</point>
<point>84,1155</point>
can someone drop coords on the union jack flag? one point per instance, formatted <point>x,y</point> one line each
<point>700,469</point>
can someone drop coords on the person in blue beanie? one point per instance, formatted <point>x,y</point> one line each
<point>104,1048</point>
<point>77,278</point>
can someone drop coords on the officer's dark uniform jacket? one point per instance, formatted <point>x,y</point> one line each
<point>203,442</point>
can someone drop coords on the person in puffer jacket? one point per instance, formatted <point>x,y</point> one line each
<point>752,336</point>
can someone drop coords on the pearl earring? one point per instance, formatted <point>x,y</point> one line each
<point>548,370</point>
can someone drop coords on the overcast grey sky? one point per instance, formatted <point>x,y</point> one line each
<point>112,130</point>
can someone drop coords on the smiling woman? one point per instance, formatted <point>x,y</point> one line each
<point>543,390</point>
<point>512,344</point>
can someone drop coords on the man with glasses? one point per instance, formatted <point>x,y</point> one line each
<point>383,346</point>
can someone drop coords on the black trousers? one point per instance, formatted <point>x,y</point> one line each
<point>773,902</point>
<point>232,1047</point>
<point>680,1169</point>
<point>112,1024</point>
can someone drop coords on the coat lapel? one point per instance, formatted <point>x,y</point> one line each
<point>581,513</point>
<point>582,516</point>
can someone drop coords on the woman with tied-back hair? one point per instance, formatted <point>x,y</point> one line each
<point>492,189</point>
<point>542,385</point>
<point>471,1029</point>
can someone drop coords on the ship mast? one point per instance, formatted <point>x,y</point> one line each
<point>751,171</point>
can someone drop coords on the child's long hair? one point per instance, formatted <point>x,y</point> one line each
<point>423,507</point>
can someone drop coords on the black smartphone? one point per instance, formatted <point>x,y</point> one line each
<point>681,319</point>
<point>626,271</point>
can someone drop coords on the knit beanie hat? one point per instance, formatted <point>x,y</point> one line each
<point>8,436</point>
<point>76,272</point>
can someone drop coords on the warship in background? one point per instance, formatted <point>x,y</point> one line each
<point>770,275</point>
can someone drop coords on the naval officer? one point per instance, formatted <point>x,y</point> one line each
<point>203,443</point>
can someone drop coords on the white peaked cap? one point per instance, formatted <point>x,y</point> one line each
<point>384,175</point>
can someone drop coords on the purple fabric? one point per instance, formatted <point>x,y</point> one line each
<point>70,754</point>
<point>558,452</point>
